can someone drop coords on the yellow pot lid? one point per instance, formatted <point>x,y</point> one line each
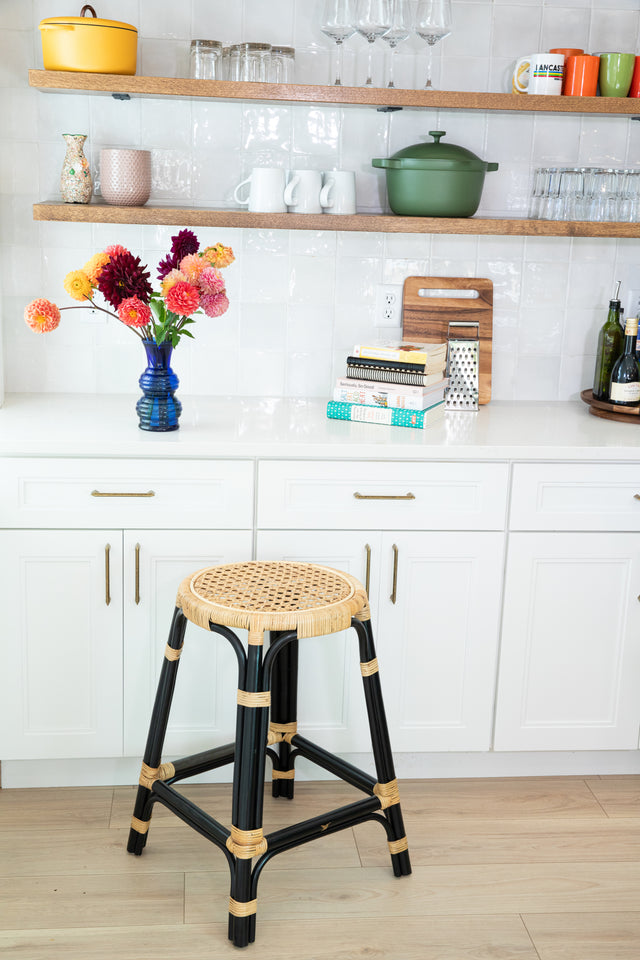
<point>84,21</point>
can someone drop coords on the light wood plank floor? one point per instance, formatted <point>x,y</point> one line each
<point>507,869</point>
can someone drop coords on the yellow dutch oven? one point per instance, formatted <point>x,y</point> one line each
<point>88,44</point>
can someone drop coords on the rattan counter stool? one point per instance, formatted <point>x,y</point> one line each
<point>289,602</point>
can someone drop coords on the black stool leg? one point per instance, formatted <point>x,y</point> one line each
<point>157,731</point>
<point>387,785</point>
<point>284,713</point>
<point>247,839</point>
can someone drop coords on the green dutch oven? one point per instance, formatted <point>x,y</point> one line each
<point>434,179</point>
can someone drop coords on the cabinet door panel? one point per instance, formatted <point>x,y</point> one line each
<point>439,641</point>
<point>331,706</point>
<point>570,657</point>
<point>61,682</point>
<point>203,708</point>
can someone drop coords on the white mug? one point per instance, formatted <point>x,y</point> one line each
<point>338,194</point>
<point>266,191</point>
<point>302,193</point>
<point>545,74</point>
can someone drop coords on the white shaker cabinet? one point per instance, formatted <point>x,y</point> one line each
<point>570,652</point>
<point>436,531</point>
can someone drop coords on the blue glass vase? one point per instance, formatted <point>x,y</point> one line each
<point>158,408</point>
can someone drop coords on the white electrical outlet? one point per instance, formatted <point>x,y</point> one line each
<point>388,305</point>
<point>632,305</point>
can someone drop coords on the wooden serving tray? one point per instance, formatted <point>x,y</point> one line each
<point>610,411</point>
<point>426,319</point>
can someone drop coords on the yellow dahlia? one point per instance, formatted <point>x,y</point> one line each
<point>218,255</point>
<point>94,265</point>
<point>170,281</point>
<point>78,285</point>
<point>42,315</point>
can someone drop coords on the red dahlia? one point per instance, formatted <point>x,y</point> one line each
<point>122,277</point>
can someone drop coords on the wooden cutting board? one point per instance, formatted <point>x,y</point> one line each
<point>426,319</point>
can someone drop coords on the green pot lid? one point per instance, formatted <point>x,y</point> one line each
<point>437,152</point>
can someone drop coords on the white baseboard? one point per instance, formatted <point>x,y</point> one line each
<point>430,766</point>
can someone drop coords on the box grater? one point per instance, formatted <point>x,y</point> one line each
<point>463,368</point>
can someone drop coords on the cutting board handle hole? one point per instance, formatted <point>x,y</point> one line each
<point>449,294</point>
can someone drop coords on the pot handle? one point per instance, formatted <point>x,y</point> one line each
<point>86,7</point>
<point>492,166</point>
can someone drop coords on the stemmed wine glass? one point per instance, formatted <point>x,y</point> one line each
<point>338,23</point>
<point>433,23</point>
<point>401,23</point>
<point>373,19</point>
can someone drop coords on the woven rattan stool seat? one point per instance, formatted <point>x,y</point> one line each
<point>278,603</point>
<point>277,595</point>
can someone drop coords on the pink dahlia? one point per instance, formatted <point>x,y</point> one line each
<point>214,304</point>
<point>134,312</point>
<point>211,281</point>
<point>192,266</point>
<point>42,315</point>
<point>183,298</point>
<point>114,249</point>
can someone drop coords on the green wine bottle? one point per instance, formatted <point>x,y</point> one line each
<point>610,344</point>
<point>625,376</point>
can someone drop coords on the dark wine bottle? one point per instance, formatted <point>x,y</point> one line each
<point>624,389</point>
<point>610,345</point>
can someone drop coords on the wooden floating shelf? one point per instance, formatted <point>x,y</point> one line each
<point>365,222</point>
<point>164,87</point>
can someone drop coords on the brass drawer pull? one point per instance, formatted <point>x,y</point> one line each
<point>384,496</point>
<point>137,574</point>
<point>367,575</point>
<point>394,588</point>
<point>636,496</point>
<point>107,575</point>
<point>99,493</point>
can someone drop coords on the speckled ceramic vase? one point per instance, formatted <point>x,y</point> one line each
<point>76,185</point>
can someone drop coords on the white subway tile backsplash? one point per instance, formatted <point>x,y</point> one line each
<point>301,299</point>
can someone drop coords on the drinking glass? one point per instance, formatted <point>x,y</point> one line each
<point>630,196</point>
<point>550,194</point>
<point>604,205</point>
<point>570,194</point>
<point>373,19</point>
<point>433,23</point>
<point>337,22</point>
<point>401,24</point>
<point>537,192</point>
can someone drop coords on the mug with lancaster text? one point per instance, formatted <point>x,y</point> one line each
<point>540,74</point>
<point>266,190</point>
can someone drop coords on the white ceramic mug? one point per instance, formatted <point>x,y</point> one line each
<point>266,190</point>
<point>338,194</point>
<point>544,76</point>
<point>302,193</point>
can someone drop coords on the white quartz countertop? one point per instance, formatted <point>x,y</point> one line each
<point>74,425</point>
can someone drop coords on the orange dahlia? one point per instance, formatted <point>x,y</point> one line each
<point>218,255</point>
<point>42,315</point>
<point>183,298</point>
<point>94,265</point>
<point>192,266</point>
<point>170,281</point>
<point>134,312</point>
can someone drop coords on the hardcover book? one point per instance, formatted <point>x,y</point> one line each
<point>417,419</point>
<point>427,354</point>
<point>383,395</point>
<point>391,371</point>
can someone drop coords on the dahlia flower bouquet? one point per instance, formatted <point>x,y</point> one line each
<point>190,283</point>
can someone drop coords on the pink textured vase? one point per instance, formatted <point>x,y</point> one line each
<point>125,176</point>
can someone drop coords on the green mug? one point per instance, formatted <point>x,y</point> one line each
<point>616,71</point>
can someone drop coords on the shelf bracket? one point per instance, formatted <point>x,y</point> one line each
<point>388,109</point>
<point>121,96</point>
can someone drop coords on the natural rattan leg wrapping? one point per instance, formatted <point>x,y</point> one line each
<point>281,602</point>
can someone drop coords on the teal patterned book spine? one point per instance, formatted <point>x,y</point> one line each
<point>393,416</point>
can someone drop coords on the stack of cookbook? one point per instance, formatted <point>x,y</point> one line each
<point>402,384</point>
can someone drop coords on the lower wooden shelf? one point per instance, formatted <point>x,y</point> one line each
<point>97,212</point>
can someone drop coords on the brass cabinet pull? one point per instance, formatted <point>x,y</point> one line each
<point>384,496</point>
<point>137,574</point>
<point>394,588</point>
<point>107,575</point>
<point>99,493</point>
<point>636,496</point>
<point>367,574</point>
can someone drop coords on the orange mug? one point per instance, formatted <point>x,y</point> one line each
<point>634,89</point>
<point>581,76</point>
<point>566,53</point>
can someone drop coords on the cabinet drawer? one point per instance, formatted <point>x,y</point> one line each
<point>385,496</point>
<point>571,496</point>
<point>124,493</point>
